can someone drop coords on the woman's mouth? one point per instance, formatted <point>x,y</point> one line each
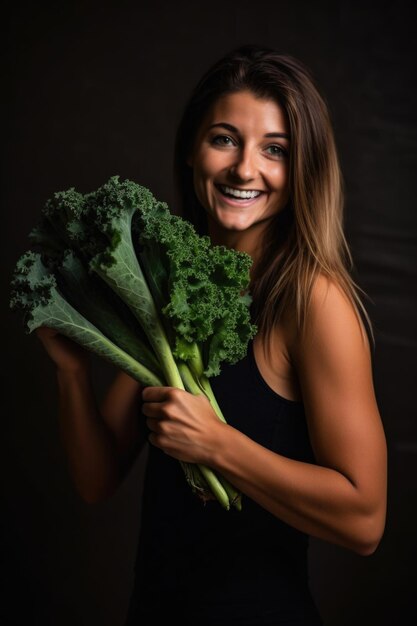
<point>238,197</point>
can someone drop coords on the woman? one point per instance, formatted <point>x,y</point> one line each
<point>257,170</point>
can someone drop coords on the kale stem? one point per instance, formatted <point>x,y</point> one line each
<point>196,386</point>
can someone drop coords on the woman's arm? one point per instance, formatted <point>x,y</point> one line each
<point>121,411</point>
<point>100,442</point>
<point>343,498</point>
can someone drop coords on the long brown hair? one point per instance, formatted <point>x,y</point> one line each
<point>306,238</point>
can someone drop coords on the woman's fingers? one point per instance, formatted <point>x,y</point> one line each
<point>153,424</point>
<point>160,394</point>
<point>157,404</point>
<point>158,431</point>
<point>152,409</point>
<point>181,424</point>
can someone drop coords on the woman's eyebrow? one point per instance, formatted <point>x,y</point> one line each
<point>233,129</point>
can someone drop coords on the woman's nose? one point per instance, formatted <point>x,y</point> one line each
<point>244,166</point>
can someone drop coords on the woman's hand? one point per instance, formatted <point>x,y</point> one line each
<point>183,425</point>
<point>67,355</point>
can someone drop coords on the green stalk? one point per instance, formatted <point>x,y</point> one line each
<point>234,495</point>
<point>205,385</point>
<point>196,367</point>
<point>214,482</point>
<point>193,386</point>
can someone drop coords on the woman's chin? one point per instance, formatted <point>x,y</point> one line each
<point>230,221</point>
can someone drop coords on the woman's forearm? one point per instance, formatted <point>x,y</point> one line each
<point>317,500</point>
<point>87,440</point>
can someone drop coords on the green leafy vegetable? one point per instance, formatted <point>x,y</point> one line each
<point>116,272</point>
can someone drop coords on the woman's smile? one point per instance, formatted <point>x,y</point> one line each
<point>239,197</point>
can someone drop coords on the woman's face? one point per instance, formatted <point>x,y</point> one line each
<point>240,161</point>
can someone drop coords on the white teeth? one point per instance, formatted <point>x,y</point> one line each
<point>239,193</point>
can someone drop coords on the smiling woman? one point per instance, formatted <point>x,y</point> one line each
<point>257,170</point>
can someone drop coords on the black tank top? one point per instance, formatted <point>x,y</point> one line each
<point>206,566</point>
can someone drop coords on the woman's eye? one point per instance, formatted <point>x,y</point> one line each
<point>225,140</point>
<point>278,151</point>
<point>222,140</point>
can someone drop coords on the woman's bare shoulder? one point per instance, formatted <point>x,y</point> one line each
<point>332,356</point>
<point>330,317</point>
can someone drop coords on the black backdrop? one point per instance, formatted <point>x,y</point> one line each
<point>95,89</point>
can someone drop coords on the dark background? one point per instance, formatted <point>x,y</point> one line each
<point>96,89</point>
